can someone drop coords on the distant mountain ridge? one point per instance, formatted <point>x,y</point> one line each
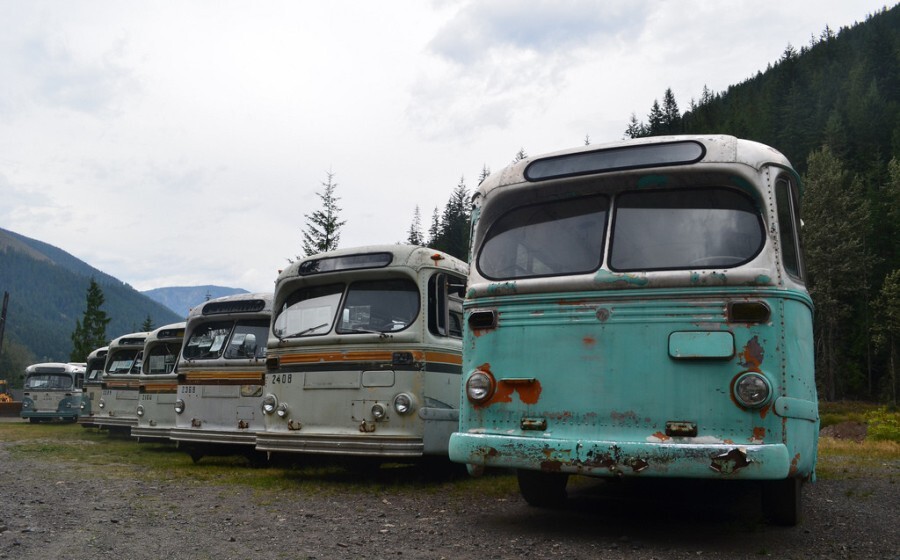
<point>180,299</point>
<point>47,288</point>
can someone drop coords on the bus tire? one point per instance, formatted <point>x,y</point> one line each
<point>781,501</point>
<point>541,489</point>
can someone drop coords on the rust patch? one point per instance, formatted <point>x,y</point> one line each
<point>764,411</point>
<point>589,341</point>
<point>752,355</point>
<point>551,466</point>
<point>730,462</point>
<point>794,462</point>
<point>629,417</point>
<point>759,434</point>
<point>661,436</point>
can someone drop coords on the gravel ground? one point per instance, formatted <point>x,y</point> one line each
<point>48,512</point>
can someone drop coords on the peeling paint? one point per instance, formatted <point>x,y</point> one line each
<point>501,288</point>
<point>753,354</point>
<point>608,278</point>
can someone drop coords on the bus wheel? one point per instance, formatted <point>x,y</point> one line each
<point>542,489</point>
<point>781,501</point>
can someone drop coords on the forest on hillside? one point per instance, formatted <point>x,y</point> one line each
<point>833,108</point>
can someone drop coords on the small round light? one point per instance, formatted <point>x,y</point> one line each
<point>179,406</point>
<point>479,386</point>
<point>403,403</point>
<point>83,406</point>
<point>282,410</point>
<point>102,403</point>
<point>140,410</point>
<point>269,404</point>
<point>752,390</point>
<point>378,411</point>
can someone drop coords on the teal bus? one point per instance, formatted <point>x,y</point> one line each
<point>93,377</point>
<point>364,355</point>
<point>639,309</point>
<point>157,384</point>
<point>52,391</point>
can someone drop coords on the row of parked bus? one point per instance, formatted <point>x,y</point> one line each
<point>635,309</point>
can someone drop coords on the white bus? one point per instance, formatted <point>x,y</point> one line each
<point>364,355</point>
<point>52,392</point>
<point>220,376</point>
<point>93,389</point>
<point>158,384</point>
<point>116,409</point>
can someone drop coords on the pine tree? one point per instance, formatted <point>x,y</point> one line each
<point>655,119</point>
<point>414,236</point>
<point>484,174</point>
<point>434,232</point>
<point>671,117</point>
<point>635,129</point>
<point>834,216</point>
<point>90,332</point>
<point>453,236</point>
<point>147,325</point>
<point>520,155</point>
<point>323,226</point>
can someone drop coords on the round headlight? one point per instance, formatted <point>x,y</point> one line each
<point>378,411</point>
<point>102,403</point>
<point>269,403</point>
<point>179,406</point>
<point>83,405</point>
<point>479,386</point>
<point>403,403</point>
<point>140,410</point>
<point>282,410</point>
<point>752,390</point>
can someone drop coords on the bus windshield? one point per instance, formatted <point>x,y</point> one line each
<point>49,381</point>
<point>121,361</point>
<point>370,306</point>
<point>228,339</point>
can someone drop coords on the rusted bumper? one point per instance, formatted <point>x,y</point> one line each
<point>605,458</point>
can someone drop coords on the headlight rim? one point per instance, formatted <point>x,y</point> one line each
<point>269,404</point>
<point>488,391</point>
<point>745,378</point>
<point>179,406</point>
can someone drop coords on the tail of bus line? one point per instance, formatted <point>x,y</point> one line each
<point>364,354</point>
<point>638,310</point>
<point>52,391</point>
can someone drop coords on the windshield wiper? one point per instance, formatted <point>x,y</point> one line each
<point>381,334</point>
<point>305,331</point>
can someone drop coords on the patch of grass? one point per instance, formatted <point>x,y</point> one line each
<point>831,413</point>
<point>840,459</point>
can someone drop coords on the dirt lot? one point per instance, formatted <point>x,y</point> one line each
<point>54,510</point>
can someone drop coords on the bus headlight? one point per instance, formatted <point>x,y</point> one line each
<point>140,410</point>
<point>403,403</point>
<point>269,404</point>
<point>179,406</point>
<point>282,410</point>
<point>102,403</point>
<point>752,390</point>
<point>480,386</point>
<point>378,411</point>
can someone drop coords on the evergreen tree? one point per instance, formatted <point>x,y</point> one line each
<point>434,231</point>
<point>453,237</point>
<point>655,119</point>
<point>635,129</point>
<point>520,155</point>
<point>887,333</point>
<point>671,117</point>
<point>485,172</point>
<point>414,236</point>
<point>323,226</point>
<point>834,216</point>
<point>147,325</point>
<point>90,332</point>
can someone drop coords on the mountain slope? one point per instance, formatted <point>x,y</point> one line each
<point>47,289</point>
<point>180,299</point>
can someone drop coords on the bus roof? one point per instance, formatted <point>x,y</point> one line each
<point>236,303</point>
<point>379,256</point>
<point>639,153</point>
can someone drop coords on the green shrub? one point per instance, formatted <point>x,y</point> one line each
<point>884,425</point>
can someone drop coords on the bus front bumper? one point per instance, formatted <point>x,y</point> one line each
<point>628,458</point>
<point>218,437</point>
<point>341,444</point>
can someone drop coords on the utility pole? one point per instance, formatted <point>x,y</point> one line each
<point>3,319</point>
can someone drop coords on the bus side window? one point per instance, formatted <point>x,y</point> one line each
<point>445,296</point>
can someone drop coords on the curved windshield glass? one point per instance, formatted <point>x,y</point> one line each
<point>552,238</point>
<point>161,358</point>
<point>47,381</point>
<point>686,229</point>
<point>121,361</point>
<point>249,340</point>
<point>379,306</point>
<point>207,340</point>
<point>308,311</point>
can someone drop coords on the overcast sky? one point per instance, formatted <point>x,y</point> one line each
<point>181,143</point>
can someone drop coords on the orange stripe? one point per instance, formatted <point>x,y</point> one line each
<point>123,384</point>
<point>223,375</point>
